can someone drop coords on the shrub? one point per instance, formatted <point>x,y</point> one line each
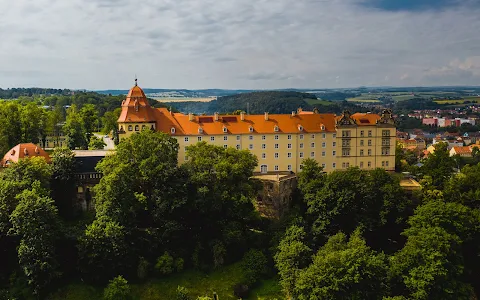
<point>241,290</point>
<point>164,264</point>
<point>117,289</point>
<point>142,269</point>
<point>182,293</point>
<point>179,262</point>
<point>219,253</point>
<point>254,265</point>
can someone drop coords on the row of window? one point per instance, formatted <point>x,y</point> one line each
<point>347,142</point>
<point>137,127</point>
<point>345,165</point>
<point>348,133</point>
<point>385,151</point>
<point>251,137</point>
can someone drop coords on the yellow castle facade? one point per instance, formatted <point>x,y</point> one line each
<point>280,141</point>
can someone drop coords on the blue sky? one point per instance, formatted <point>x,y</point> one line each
<point>262,44</point>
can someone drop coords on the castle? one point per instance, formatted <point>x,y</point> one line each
<point>280,141</point>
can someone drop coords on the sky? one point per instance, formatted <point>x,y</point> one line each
<point>238,44</point>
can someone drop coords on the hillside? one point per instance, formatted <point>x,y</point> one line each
<point>259,102</point>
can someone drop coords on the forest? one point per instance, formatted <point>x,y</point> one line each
<point>351,234</point>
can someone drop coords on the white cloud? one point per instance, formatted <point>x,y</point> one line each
<point>97,44</point>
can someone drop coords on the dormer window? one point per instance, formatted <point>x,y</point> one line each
<point>276,128</point>
<point>224,129</point>
<point>250,129</point>
<point>200,130</point>
<point>322,127</point>
<point>172,130</point>
<point>300,128</point>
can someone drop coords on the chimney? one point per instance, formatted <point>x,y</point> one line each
<point>266,116</point>
<point>215,115</point>
<point>190,117</point>
<point>242,116</point>
<point>293,113</point>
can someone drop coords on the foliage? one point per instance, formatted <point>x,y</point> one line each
<point>439,165</point>
<point>142,269</point>
<point>96,143</point>
<point>343,269</point>
<point>164,265</point>
<point>182,293</point>
<point>74,129</point>
<point>35,222</point>
<point>117,289</point>
<point>464,187</point>
<point>63,180</point>
<point>254,264</point>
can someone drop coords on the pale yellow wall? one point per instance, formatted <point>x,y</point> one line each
<point>125,127</point>
<point>294,162</point>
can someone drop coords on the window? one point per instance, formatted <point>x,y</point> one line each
<point>275,128</point>
<point>324,145</point>
<point>250,146</point>
<point>200,130</point>
<point>385,132</point>
<point>212,138</point>
<point>369,142</point>
<point>385,142</point>
<point>386,164</point>
<point>301,154</point>
<point>369,133</point>
<point>289,167</point>
<point>346,133</point>
<point>361,143</point>
<point>130,127</point>
<point>250,129</point>
<point>312,154</point>
<point>137,128</point>
<point>186,139</point>
<point>300,167</point>
<point>361,164</point>
<point>334,165</point>
<point>323,153</point>
<point>334,153</point>
<point>361,152</point>
<point>301,145</point>
<point>301,136</point>
<point>250,137</point>
<point>383,164</point>
<point>312,136</point>
<point>276,137</point>
<point>300,128</point>
<point>263,168</point>
<point>238,147</point>
<point>289,146</point>
<point>362,133</point>
<point>225,138</point>
<point>238,137</point>
<point>385,151</point>
<point>186,157</point>
<point>324,165</point>
<point>264,155</point>
<point>276,146</point>
<point>334,135</point>
<point>185,148</point>
<point>334,144</point>
<point>345,143</point>
<point>289,136</point>
<point>346,152</point>
<point>369,152</point>
<point>264,137</point>
<point>276,168</point>
<point>144,126</point>
<point>324,135</point>
<point>369,164</point>
<point>199,138</point>
<point>312,145</point>
<point>172,130</point>
<point>224,129</point>
<point>264,146</point>
<point>225,146</point>
<point>289,155</point>
<point>276,155</point>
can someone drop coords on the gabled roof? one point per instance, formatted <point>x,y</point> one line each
<point>20,151</point>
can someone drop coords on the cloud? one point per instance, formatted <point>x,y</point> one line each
<point>99,44</point>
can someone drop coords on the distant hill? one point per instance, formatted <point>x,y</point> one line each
<point>275,102</point>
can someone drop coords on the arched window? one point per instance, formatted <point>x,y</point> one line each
<point>224,129</point>
<point>322,127</point>
<point>130,127</point>
<point>172,130</point>
<point>137,128</point>
<point>263,169</point>
<point>275,128</point>
<point>300,127</point>
<point>153,127</point>
<point>200,130</point>
<point>250,128</point>
<point>144,126</point>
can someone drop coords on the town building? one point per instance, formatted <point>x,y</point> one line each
<point>280,141</point>
<point>27,150</point>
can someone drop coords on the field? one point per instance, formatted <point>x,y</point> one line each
<point>314,102</point>
<point>184,99</point>
<point>362,100</point>
<point>461,101</point>
<point>198,284</point>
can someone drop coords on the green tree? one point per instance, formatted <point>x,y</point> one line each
<point>33,120</point>
<point>439,165</point>
<point>35,222</point>
<point>109,120</point>
<point>254,265</point>
<point>164,264</point>
<point>96,143</point>
<point>74,129</point>
<point>293,255</point>
<point>89,119</point>
<point>63,180</point>
<point>343,269</point>
<point>117,289</point>
<point>464,187</point>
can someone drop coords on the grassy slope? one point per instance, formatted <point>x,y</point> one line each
<point>220,281</point>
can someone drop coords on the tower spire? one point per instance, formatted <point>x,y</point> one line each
<point>136,79</point>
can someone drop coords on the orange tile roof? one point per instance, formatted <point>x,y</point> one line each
<point>24,151</point>
<point>462,150</point>
<point>135,107</point>
<point>363,119</point>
